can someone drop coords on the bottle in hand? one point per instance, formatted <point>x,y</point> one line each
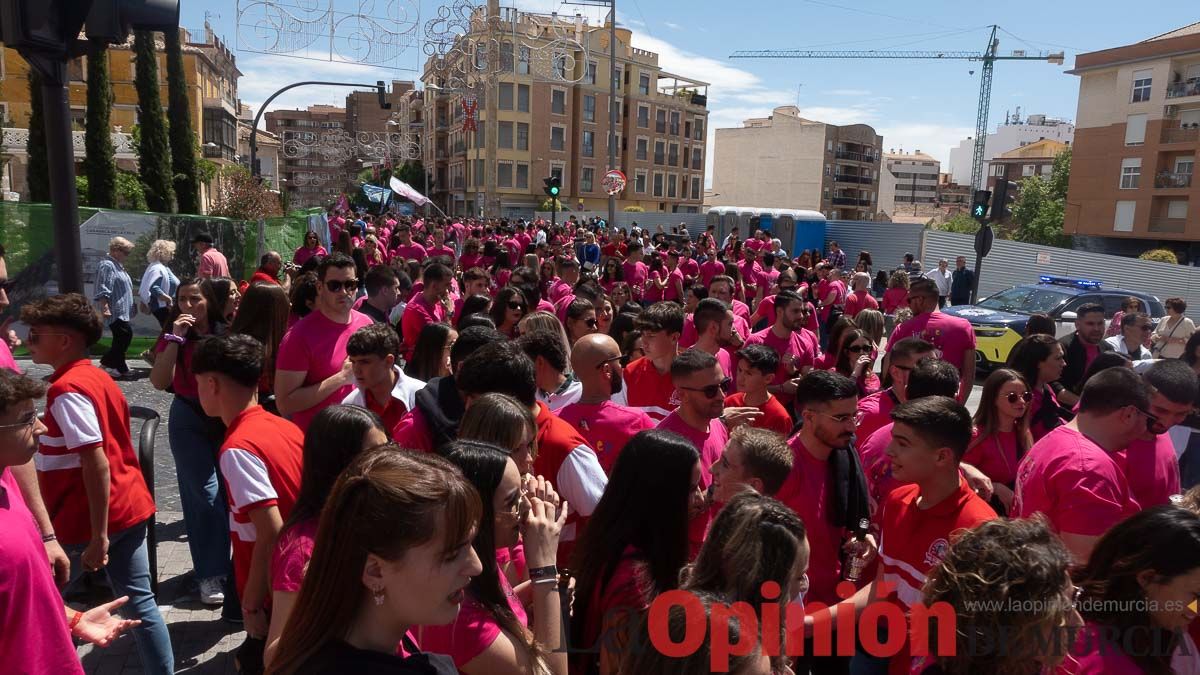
<point>854,562</point>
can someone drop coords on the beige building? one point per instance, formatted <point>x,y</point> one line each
<point>916,175</point>
<point>786,161</point>
<point>557,123</point>
<point>1136,140</point>
<point>311,170</point>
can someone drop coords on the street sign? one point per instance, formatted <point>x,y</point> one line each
<point>983,241</point>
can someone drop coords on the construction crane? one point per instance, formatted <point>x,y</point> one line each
<point>988,57</point>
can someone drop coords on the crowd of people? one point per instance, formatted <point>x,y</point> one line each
<point>502,447</point>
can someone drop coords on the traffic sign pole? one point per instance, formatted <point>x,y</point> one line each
<point>983,246</point>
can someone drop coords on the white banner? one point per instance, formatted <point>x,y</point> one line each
<point>405,190</point>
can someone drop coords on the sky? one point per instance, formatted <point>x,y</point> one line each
<point>914,104</point>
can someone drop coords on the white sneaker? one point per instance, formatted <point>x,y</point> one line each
<point>212,591</point>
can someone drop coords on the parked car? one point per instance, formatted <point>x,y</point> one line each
<point>999,320</point>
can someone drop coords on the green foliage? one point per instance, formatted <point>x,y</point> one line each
<point>548,204</point>
<point>154,148</point>
<point>131,194</point>
<point>183,139</point>
<point>37,171</point>
<point>100,165</point>
<point>634,209</point>
<point>244,197</point>
<point>1041,206</point>
<point>961,223</point>
<point>1162,255</point>
<point>206,170</point>
<point>81,190</point>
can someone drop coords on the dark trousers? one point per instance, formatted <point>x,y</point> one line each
<point>161,314</point>
<point>122,334</point>
<point>941,301</point>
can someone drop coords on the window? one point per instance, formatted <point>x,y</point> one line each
<point>1177,208</point>
<point>480,139</point>
<point>671,186</point>
<point>644,85</point>
<point>660,149</point>
<point>1141,85</point>
<point>504,175</point>
<point>558,137</point>
<point>674,124</point>
<point>660,121</point>
<point>698,129</point>
<point>687,129</point>
<point>506,96</point>
<point>523,176</point>
<point>658,185</point>
<point>1046,169</point>
<point>506,57</point>
<point>1185,165</point>
<point>522,136</point>
<point>639,182</point>
<point>998,170</point>
<point>478,172</point>
<point>589,108</point>
<point>504,139</point>
<point>695,187</point>
<point>828,169</point>
<point>558,102</point>
<point>1135,129</point>
<point>556,171</point>
<point>559,66</point>
<point>697,159</point>
<point>1131,171</point>
<point>523,61</point>
<point>589,144</point>
<point>1028,169</point>
<point>1123,222</point>
<point>642,149</point>
<point>522,98</point>
<point>585,179</point>
<point>673,155</point>
<point>590,75</point>
<point>643,120</point>
<point>828,146</point>
<point>76,70</point>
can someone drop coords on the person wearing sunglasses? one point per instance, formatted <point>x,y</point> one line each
<point>1135,329</point>
<point>1072,474</point>
<point>1150,462</point>
<point>854,360</point>
<point>580,319</point>
<point>1002,435</point>
<point>312,368</point>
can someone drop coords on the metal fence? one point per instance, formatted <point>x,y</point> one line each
<point>887,242</point>
<point>648,220</point>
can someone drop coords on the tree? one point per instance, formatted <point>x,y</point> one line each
<point>959,222</point>
<point>183,139</point>
<point>154,148</point>
<point>1162,255</point>
<point>37,174</point>
<point>131,194</point>
<point>1041,205</point>
<point>100,165</point>
<point>243,197</point>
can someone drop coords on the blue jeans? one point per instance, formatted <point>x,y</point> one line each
<point>128,571</point>
<point>194,447</point>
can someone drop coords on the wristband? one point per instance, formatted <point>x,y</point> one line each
<point>75,619</point>
<point>544,582</point>
<point>48,537</point>
<point>171,337</point>
<point>539,573</point>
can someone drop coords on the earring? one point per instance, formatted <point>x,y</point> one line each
<point>377,594</point>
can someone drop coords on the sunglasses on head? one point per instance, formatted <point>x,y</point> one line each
<point>1012,397</point>
<point>516,305</point>
<point>712,390</point>
<point>337,286</point>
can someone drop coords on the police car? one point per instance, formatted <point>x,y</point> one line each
<point>999,320</point>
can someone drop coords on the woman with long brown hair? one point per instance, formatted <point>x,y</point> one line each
<point>1039,359</point>
<point>856,360</point>
<point>1001,432</point>
<point>263,315</point>
<point>393,551</point>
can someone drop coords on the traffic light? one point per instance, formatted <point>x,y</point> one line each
<point>553,186</point>
<point>381,90</point>
<point>979,206</point>
<point>111,20</point>
<point>1002,200</point>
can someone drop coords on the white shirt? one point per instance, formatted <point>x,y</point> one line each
<point>405,390</point>
<point>1118,344</point>
<point>942,279</point>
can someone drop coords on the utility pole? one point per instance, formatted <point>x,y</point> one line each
<point>491,126</point>
<point>613,76</point>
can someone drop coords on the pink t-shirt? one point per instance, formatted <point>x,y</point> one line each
<point>858,301</point>
<point>558,290</point>
<point>674,278</point>
<point>995,456</point>
<point>292,552</point>
<point>795,352</point>
<point>876,410</point>
<point>473,631</point>
<point>710,445</point>
<point>652,292</point>
<point>213,265</point>
<point>1152,470</point>
<point>952,336</point>
<point>316,345</point>
<point>877,466</point>
<point>606,426</point>
<point>413,251</point>
<point>417,314</point>
<point>35,638</point>
<point>711,268</point>
<point>689,335</point>
<point>440,252</point>
<point>635,276</point>
<point>1078,485</point>
<point>1093,654</point>
<point>412,432</point>
<point>808,492</point>
<point>6,358</point>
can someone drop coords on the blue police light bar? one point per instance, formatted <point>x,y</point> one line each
<point>1070,281</point>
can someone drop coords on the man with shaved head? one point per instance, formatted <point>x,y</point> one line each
<point>595,358</point>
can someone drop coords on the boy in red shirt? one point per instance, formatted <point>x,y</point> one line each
<point>260,461</point>
<point>648,379</point>
<point>755,371</point>
<point>88,471</point>
<point>381,385</point>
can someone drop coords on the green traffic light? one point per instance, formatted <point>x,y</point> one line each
<point>979,210</point>
<point>553,192</point>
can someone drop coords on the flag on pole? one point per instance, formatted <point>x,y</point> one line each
<point>405,190</point>
<point>376,194</point>
<point>343,204</point>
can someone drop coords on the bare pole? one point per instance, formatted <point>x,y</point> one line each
<point>491,200</point>
<point>613,75</point>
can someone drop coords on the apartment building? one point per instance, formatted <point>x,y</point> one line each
<point>311,169</point>
<point>1136,140</point>
<point>1013,133</point>
<point>787,161</point>
<point>916,176</point>
<point>557,123</point>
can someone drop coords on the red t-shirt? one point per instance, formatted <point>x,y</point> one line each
<point>649,390</point>
<point>1152,470</point>
<point>808,492</point>
<point>85,408</point>
<point>566,460</point>
<point>775,416</point>
<point>893,299</point>
<point>262,277</point>
<point>858,301</point>
<point>260,461</point>
<point>606,426</point>
<point>417,314</point>
<point>1078,485</point>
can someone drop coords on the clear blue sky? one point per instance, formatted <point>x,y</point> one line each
<point>915,104</point>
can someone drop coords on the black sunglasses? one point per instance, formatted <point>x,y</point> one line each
<point>712,390</point>
<point>591,323</point>
<point>607,361</point>
<point>516,305</point>
<point>1012,397</point>
<point>858,349</point>
<point>336,286</point>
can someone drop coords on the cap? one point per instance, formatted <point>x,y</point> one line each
<point>203,237</point>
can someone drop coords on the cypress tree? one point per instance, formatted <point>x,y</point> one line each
<point>37,172</point>
<point>154,148</point>
<point>100,166</point>
<point>183,140</point>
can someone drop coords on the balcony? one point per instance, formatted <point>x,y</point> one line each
<point>1180,134</point>
<point>846,178</point>
<point>1168,225</point>
<point>854,156</point>
<point>1182,89</point>
<point>1168,181</point>
<point>849,201</point>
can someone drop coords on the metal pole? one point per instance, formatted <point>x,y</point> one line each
<point>263,108</point>
<point>491,139</point>
<point>60,152</point>
<point>612,106</point>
